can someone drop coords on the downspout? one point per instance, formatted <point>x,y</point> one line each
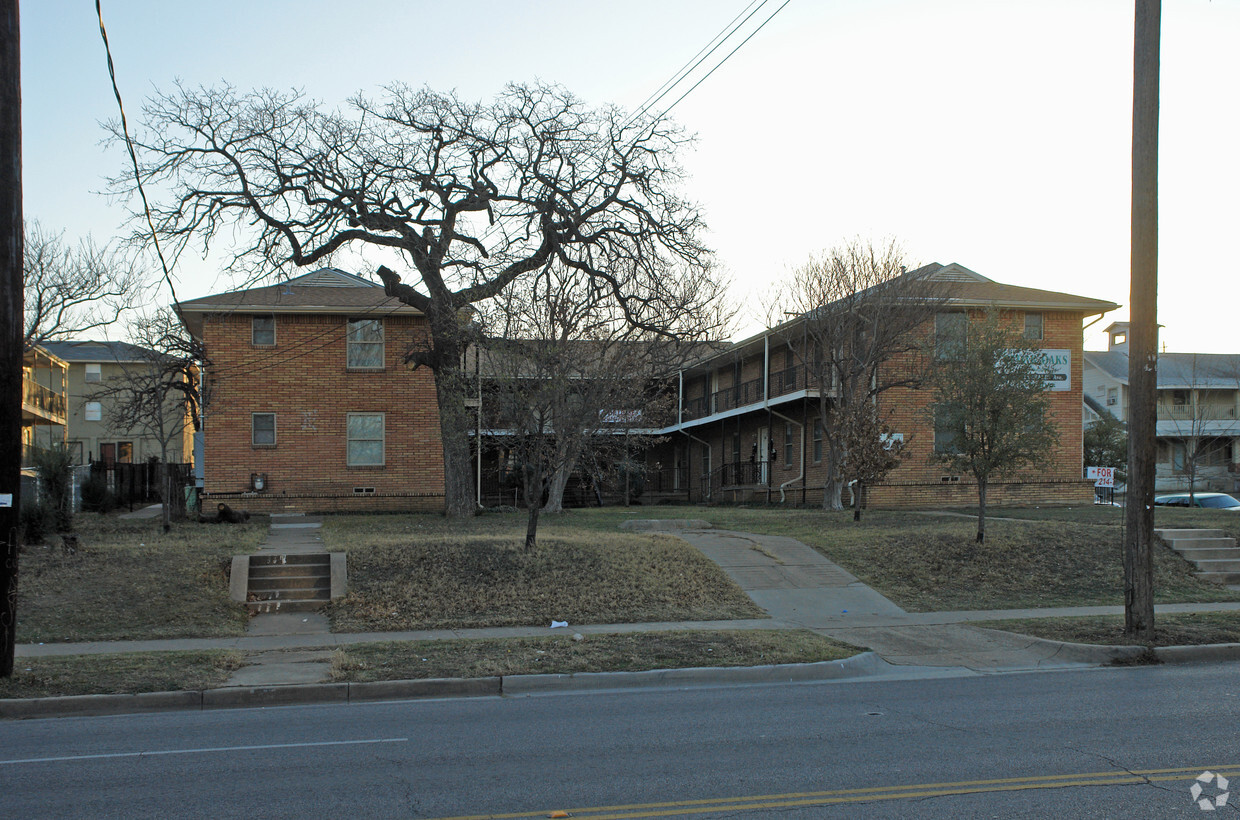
<point>782,497</point>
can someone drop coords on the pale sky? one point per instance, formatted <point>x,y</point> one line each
<point>993,134</point>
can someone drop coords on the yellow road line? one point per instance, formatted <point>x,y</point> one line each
<point>823,798</point>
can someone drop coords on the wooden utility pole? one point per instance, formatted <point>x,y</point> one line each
<point>10,324</point>
<point>1143,330</point>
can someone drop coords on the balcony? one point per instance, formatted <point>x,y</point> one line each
<point>42,405</point>
<point>1196,412</point>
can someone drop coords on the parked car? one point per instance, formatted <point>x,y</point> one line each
<point>1214,501</point>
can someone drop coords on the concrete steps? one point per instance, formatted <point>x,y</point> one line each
<point>287,582</point>
<point>1216,555</point>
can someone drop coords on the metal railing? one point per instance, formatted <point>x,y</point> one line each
<point>43,399</point>
<point>1197,412</point>
<point>729,398</point>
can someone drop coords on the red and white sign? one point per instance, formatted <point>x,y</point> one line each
<point>1102,476</point>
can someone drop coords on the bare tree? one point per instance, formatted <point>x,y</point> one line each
<point>571,379</point>
<point>158,393</point>
<point>72,290</point>
<point>1200,418</point>
<point>461,198</point>
<point>991,412</point>
<point>871,448</point>
<point>862,316</point>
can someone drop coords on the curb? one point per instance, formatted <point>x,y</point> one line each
<point>866,663</point>
<point>1103,654</point>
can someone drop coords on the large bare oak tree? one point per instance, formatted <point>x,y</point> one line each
<point>457,199</point>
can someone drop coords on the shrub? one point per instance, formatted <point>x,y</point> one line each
<point>36,519</point>
<point>55,468</point>
<point>96,496</point>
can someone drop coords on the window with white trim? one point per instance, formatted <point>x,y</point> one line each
<point>365,439</point>
<point>365,343</point>
<point>263,429</point>
<point>94,372</point>
<point>94,411</point>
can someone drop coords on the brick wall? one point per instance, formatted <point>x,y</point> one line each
<point>304,381</point>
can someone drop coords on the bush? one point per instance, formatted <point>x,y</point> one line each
<point>36,519</point>
<point>96,497</point>
<point>55,468</point>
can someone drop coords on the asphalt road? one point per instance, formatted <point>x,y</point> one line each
<point>1022,745</point>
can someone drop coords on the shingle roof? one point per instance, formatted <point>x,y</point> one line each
<point>1176,370</point>
<point>94,351</point>
<point>326,290</point>
<point>973,289</point>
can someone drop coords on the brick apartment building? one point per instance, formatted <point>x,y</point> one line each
<point>309,405</point>
<point>747,428</point>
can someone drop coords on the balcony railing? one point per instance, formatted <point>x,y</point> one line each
<point>42,399</point>
<point>1198,412</point>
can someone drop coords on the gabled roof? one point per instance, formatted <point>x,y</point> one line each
<point>970,289</point>
<point>326,290</point>
<point>93,351</point>
<point>1176,371</point>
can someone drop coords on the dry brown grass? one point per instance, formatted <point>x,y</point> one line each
<point>1180,629</point>
<point>424,572</point>
<point>594,653</point>
<point>129,581</point>
<point>119,674</point>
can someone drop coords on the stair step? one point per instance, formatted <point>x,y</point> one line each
<point>1201,543</point>
<point>264,584</point>
<point>1219,565</point>
<point>1219,577</point>
<point>286,605</point>
<point>1171,534</point>
<point>281,559</point>
<point>290,570</point>
<point>1208,553</point>
<point>291,594</point>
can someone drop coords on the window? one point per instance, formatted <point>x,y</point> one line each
<point>263,429</point>
<point>950,331</point>
<point>124,452</point>
<point>817,440</point>
<point>736,448</point>
<point>365,344</point>
<point>705,460</point>
<point>94,411</point>
<point>263,331</point>
<point>94,372</point>
<point>75,452</point>
<point>1112,396</point>
<point>948,430</point>
<point>365,432</point>
<point>1033,326</point>
<point>788,444</point>
<point>1179,398</point>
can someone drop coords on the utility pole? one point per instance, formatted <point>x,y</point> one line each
<point>1143,339</point>
<point>10,324</point>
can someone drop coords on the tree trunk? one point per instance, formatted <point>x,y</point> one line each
<point>555,493</point>
<point>533,502</point>
<point>833,487</point>
<point>166,483</point>
<point>981,511</point>
<point>458,486</point>
<point>857,500</point>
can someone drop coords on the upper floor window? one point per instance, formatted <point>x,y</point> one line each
<point>94,372</point>
<point>94,411</point>
<point>948,430</point>
<point>365,342</point>
<point>950,332</point>
<point>1033,327</point>
<point>263,331</point>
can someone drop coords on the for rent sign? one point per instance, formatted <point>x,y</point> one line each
<point>1102,476</point>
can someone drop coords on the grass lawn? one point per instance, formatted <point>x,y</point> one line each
<point>1181,629</point>
<point>129,581</point>
<point>425,571</point>
<point>119,674</point>
<point>929,562</point>
<point>594,653</point>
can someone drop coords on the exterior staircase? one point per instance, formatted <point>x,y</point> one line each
<point>296,582</point>
<point>1215,553</point>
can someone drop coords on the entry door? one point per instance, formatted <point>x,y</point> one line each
<point>764,455</point>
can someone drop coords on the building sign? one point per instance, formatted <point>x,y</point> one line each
<point>620,416</point>
<point>1058,364</point>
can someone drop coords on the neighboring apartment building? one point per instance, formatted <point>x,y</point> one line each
<point>748,428</point>
<point>44,413</point>
<point>1198,411</point>
<point>94,367</point>
<point>309,402</point>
